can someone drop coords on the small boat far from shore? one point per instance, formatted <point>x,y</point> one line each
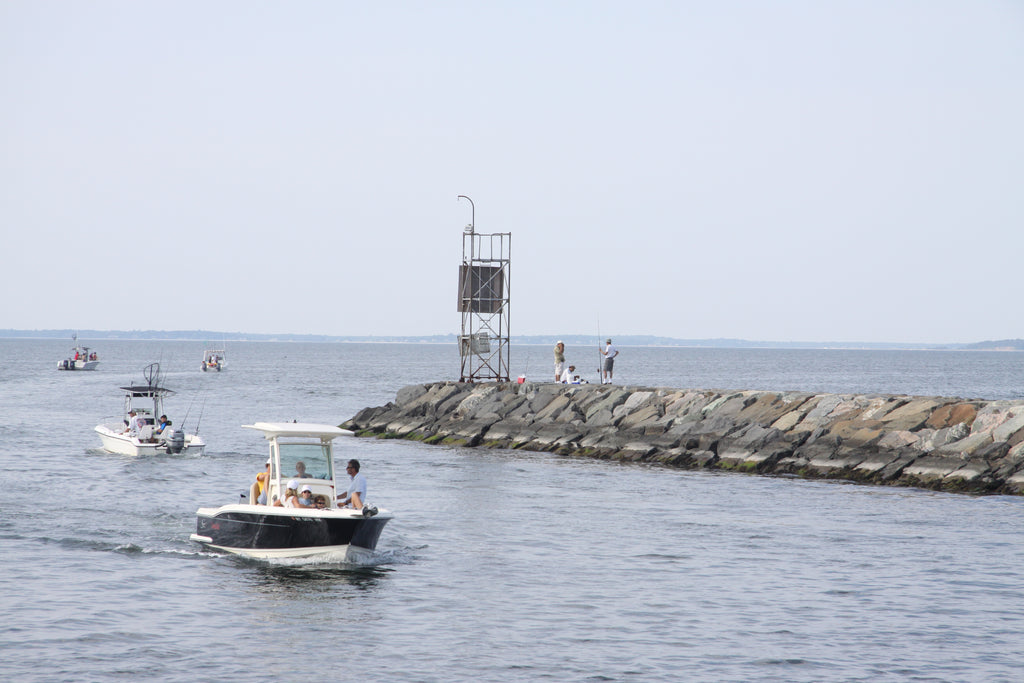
<point>213,359</point>
<point>81,358</point>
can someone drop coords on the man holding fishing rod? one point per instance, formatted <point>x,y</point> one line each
<point>609,352</point>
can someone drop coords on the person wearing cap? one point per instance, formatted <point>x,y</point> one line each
<point>135,423</point>
<point>559,359</point>
<point>569,376</point>
<point>162,424</point>
<point>305,499</point>
<point>609,352</point>
<point>291,494</point>
<point>355,497</point>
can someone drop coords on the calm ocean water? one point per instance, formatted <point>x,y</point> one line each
<point>500,565</point>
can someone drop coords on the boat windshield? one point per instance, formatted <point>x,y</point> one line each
<point>314,459</point>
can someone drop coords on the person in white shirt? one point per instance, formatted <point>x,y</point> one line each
<point>609,352</point>
<point>291,493</point>
<point>355,497</point>
<point>135,423</point>
<point>569,375</point>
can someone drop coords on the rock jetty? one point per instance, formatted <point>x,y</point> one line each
<point>950,444</point>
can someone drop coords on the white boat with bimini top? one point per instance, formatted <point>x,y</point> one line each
<point>213,359</point>
<point>81,358</point>
<point>272,523</point>
<point>143,431</point>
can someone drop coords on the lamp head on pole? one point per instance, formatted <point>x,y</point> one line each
<point>472,225</point>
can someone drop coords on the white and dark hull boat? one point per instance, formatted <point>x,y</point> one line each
<point>267,532</point>
<point>147,402</point>
<point>275,529</point>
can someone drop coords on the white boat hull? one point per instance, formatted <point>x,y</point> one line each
<point>77,364</point>
<point>125,444</point>
<point>347,554</point>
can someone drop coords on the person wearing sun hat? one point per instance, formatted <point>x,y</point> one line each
<point>559,359</point>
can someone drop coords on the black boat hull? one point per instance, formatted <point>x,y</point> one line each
<point>272,532</point>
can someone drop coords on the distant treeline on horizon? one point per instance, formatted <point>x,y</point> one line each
<point>569,339</point>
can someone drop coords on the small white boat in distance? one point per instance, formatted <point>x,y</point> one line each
<point>324,532</point>
<point>213,359</point>
<point>137,435</point>
<point>81,358</point>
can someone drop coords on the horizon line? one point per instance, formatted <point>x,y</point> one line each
<point>527,339</point>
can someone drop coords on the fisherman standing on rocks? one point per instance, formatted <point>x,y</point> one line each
<point>609,352</point>
<point>559,360</point>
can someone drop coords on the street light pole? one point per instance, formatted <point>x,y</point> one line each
<point>472,222</point>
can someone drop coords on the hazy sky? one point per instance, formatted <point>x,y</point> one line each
<point>781,171</point>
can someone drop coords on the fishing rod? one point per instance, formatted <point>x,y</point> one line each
<point>201,409</point>
<point>189,410</point>
<point>600,365</point>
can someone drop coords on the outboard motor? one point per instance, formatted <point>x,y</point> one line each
<point>176,444</point>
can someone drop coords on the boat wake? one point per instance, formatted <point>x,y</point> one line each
<point>118,547</point>
<point>368,560</point>
<point>133,549</point>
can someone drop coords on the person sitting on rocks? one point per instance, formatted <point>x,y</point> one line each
<point>569,376</point>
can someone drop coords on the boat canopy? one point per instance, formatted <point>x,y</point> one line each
<point>273,430</point>
<point>146,391</point>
